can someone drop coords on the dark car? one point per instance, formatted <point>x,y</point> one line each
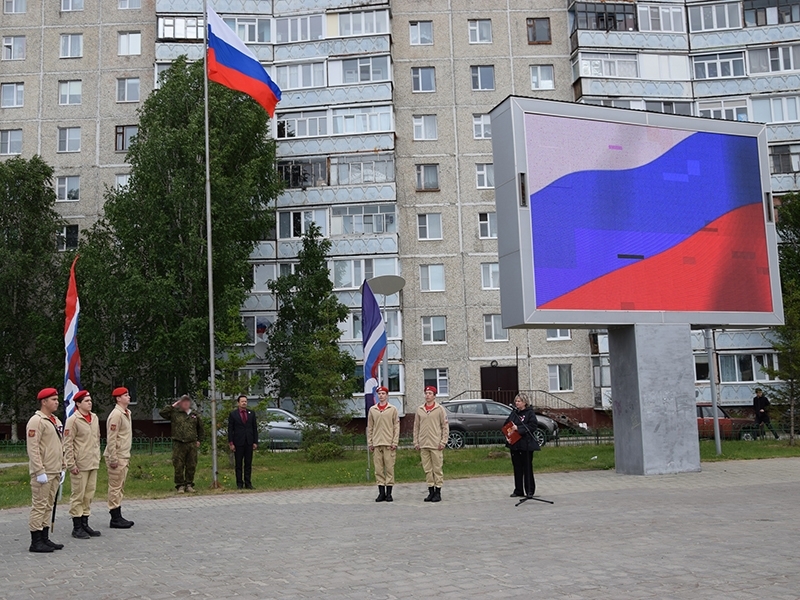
<point>482,420</point>
<point>729,427</point>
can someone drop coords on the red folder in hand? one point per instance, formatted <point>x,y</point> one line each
<point>512,435</point>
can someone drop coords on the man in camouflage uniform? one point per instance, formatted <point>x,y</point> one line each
<point>187,433</point>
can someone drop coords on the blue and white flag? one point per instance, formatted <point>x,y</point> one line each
<point>373,339</point>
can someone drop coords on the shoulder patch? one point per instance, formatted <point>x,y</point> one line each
<point>66,432</point>
<point>113,427</point>
<point>31,433</point>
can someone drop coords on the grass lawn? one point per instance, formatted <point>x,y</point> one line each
<point>150,475</point>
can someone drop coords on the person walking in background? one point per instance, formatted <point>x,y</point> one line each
<point>760,406</point>
<point>187,433</point>
<point>46,467</point>
<point>383,435</point>
<point>523,422</point>
<point>119,437</point>
<point>243,440</point>
<point>82,457</point>
<point>431,431</point>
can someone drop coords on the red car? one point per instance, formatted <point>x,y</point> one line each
<point>729,427</point>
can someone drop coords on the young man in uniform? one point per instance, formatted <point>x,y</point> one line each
<point>383,435</point>
<point>187,433</point>
<point>82,456</point>
<point>243,440</point>
<point>46,467</point>
<point>119,436</point>
<point>760,404</point>
<point>431,431</point>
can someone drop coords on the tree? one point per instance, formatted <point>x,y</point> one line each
<point>144,281</point>
<point>306,363</point>
<point>31,326</point>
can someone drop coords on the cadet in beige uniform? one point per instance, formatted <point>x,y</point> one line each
<point>82,456</point>
<point>383,435</point>
<point>431,431</point>
<point>46,466</point>
<point>119,436</point>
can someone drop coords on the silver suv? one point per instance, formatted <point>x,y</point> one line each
<point>481,421</point>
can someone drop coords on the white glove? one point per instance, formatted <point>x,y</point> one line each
<point>63,476</point>
<point>42,478</point>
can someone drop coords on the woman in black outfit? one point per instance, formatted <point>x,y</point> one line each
<point>523,421</point>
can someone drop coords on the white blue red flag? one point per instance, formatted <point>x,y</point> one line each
<point>72,363</point>
<point>373,339</point>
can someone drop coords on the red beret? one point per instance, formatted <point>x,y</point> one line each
<point>80,395</point>
<point>47,393</point>
<point>120,391</point>
<point>430,388</point>
<point>382,388</point>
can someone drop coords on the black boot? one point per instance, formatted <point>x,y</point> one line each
<point>87,529</point>
<point>437,495</point>
<point>381,494</point>
<point>78,530</point>
<point>431,494</point>
<point>46,539</point>
<point>389,494</point>
<point>117,521</point>
<point>37,543</point>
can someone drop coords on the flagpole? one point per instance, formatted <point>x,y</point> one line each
<point>209,256</point>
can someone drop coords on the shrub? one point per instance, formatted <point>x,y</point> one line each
<point>324,451</point>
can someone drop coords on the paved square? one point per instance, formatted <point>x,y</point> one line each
<point>732,531</point>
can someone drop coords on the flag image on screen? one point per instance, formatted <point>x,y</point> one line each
<point>627,217</point>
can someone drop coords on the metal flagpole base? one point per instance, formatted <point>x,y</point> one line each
<point>533,498</point>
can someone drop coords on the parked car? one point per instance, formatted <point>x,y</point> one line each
<point>280,428</point>
<point>729,427</point>
<point>471,417</point>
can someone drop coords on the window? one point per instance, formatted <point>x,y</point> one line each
<point>123,136</point>
<point>437,378</point>
<point>11,7</point>
<point>493,329</point>
<point>70,5</point>
<point>616,102</point>
<point>746,367</point>
<point>129,43</point>
<point>482,77</point>
<point>257,327</point>
<point>785,158</point>
<point>295,77</point>
<point>425,127</point>
<point>350,274</point>
<point>12,95</point>
<point>429,226</point>
<point>481,127</point>
<point>731,110</point>
<point>701,370</point>
<point>368,219</point>
<point>758,13</point>
<point>69,139</point>
<point>670,108</point>
<point>776,110</point>
<point>362,119</point>
<point>558,334</point>
<point>128,89</point>
<point>717,66</point>
<point>294,224</point>
<point>69,92</point>
<point>603,17</point>
<point>302,124</point>
<point>538,30</point>
<point>250,30</point>
<point>71,45</point>
<point>484,176</point>
<point>427,178</point>
<point>161,68</point>
<point>14,47</point>
<point>298,29</point>
<point>364,23</point>
<point>434,330</point>
<point>68,189</point>
<point>420,33</point>
<point>121,180</point>
<point>490,276</point>
<point>661,18</point>
<point>67,238</point>
<point>363,70</point>
<point>423,79</point>
<point>714,16</point>
<point>774,60</point>
<point>431,278</point>
<point>130,4</point>
<point>304,172</point>
<point>542,77</point>
<point>181,28</point>
<point>487,225</point>
<point>11,141</point>
<point>354,170</point>
<point>608,65</point>
<point>351,326</point>
<point>480,31</point>
<point>560,377</point>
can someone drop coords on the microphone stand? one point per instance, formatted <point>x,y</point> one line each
<point>526,498</point>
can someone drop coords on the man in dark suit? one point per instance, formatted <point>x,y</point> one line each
<point>243,439</point>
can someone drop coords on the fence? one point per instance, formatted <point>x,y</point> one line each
<point>140,445</point>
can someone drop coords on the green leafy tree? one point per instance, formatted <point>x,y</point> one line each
<point>144,282</point>
<point>306,363</point>
<point>31,326</point>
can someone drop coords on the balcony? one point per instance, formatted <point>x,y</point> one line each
<point>785,182</point>
<point>244,7</point>
<point>393,347</point>
<point>770,34</point>
<point>260,301</point>
<point>169,51</point>
<point>783,132</point>
<point>789,82</point>
<point>289,6</point>
<point>345,246</point>
<point>377,44</point>
<point>349,94</point>
<point>636,40</point>
<point>627,88</point>
<point>336,144</point>
<point>377,192</point>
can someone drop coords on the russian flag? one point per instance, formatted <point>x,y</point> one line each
<point>72,363</point>
<point>373,340</point>
<point>233,65</point>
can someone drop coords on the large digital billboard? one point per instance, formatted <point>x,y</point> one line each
<point>612,216</point>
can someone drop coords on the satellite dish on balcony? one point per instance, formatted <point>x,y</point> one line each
<point>260,350</point>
